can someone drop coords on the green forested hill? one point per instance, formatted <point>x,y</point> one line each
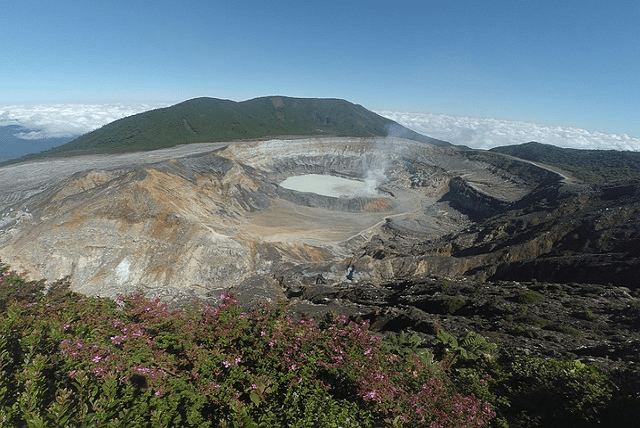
<point>213,120</point>
<point>591,166</point>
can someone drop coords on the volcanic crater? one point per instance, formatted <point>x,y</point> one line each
<point>189,222</point>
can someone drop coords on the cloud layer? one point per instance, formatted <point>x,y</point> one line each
<point>68,120</point>
<point>65,120</point>
<point>485,133</point>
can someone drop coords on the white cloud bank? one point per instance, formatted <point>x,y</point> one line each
<point>485,133</point>
<point>66,120</point>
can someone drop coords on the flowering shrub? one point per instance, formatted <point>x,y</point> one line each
<point>68,360</point>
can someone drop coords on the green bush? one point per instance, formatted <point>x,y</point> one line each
<point>586,315</point>
<point>452,304</point>
<point>532,391</point>
<point>528,296</point>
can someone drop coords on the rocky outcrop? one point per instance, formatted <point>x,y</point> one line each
<point>594,237</point>
<point>579,236</point>
<point>155,228</point>
<point>477,205</point>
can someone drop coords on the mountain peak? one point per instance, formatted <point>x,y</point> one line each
<point>206,119</point>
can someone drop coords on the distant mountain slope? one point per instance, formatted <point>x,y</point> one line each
<point>212,120</point>
<point>591,166</point>
<point>13,146</point>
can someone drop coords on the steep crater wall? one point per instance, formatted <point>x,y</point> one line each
<point>354,204</point>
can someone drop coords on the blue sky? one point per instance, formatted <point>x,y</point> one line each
<point>558,63</point>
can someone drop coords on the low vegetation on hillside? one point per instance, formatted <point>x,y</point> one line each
<point>214,120</point>
<point>67,360</point>
<point>590,166</point>
<point>134,362</point>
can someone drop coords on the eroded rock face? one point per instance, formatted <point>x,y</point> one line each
<point>572,234</point>
<point>150,227</point>
<point>189,225</point>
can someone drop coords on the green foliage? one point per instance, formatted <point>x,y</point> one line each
<point>72,361</point>
<point>591,166</point>
<point>528,391</point>
<point>543,392</point>
<point>586,315</point>
<point>407,345</point>
<point>563,328</point>
<point>528,296</point>
<point>452,304</point>
<point>519,330</point>
<point>471,347</point>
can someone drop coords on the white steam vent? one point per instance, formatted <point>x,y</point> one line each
<point>328,185</point>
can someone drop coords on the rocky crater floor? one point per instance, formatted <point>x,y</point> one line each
<point>406,234</point>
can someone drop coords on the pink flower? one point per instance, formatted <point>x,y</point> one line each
<point>66,327</point>
<point>227,364</point>
<point>117,340</point>
<point>487,409</point>
<point>96,359</point>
